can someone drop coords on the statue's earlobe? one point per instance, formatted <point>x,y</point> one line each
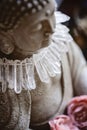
<point>6,43</point>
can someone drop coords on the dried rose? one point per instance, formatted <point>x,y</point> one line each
<point>62,122</point>
<point>77,110</point>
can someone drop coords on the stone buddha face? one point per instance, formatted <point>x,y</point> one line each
<point>35,29</point>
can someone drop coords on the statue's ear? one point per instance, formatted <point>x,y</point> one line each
<point>6,43</point>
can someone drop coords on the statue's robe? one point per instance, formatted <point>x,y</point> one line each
<point>36,107</point>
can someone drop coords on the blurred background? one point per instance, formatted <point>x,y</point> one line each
<point>77,10</point>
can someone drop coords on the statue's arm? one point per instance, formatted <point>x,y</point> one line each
<point>78,66</point>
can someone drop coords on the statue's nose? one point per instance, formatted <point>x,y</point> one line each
<point>51,26</point>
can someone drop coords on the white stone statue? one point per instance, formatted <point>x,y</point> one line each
<point>41,67</point>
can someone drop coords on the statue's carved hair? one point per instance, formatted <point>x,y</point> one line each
<point>11,11</point>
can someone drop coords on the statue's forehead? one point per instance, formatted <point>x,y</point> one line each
<point>12,11</point>
<point>37,17</point>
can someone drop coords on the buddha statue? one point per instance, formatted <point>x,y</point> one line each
<point>41,67</point>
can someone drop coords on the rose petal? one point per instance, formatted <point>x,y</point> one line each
<point>77,109</point>
<point>62,122</point>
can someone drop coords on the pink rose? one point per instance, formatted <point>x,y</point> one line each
<point>62,122</point>
<point>77,110</point>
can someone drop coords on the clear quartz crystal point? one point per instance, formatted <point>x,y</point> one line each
<point>28,82</point>
<point>54,51</point>
<point>3,76</point>
<point>29,67</point>
<point>59,46</point>
<point>50,66</point>
<point>4,83</point>
<point>43,75</point>
<point>24,77</point>
<point>61,17</point>
<point>18,85</point>
<point>14,78</point>
<point>7,73</point>
<point>6,77</point>
<point>17,76</point>
<point>61,28</point>
<point>11,78</point>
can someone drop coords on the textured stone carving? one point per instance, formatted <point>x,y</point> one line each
<point>14,111</point>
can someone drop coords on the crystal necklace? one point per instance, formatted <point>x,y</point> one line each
<point>18,75</point>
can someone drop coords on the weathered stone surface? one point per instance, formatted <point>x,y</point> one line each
<point>14,110</point>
